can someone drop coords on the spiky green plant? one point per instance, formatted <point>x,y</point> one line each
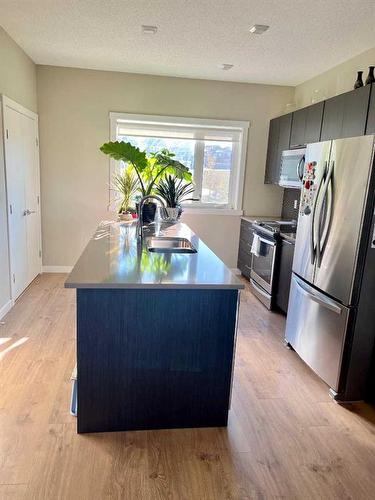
<point>126,184</point>
<point>174,190</point>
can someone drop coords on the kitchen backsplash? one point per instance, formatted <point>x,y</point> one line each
<point>289,199</point>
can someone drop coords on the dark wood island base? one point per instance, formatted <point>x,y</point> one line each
<point>154,358</point>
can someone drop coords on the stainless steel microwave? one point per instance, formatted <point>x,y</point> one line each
<point>291,168</point>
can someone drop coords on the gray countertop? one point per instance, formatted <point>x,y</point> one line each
<point>114,258</point>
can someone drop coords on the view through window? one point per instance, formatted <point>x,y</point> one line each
<point>212,153</point>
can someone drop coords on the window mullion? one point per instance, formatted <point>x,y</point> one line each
<point>198,168</point>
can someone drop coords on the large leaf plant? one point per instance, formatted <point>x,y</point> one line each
<point>149,169</point>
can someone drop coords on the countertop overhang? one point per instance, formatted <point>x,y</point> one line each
<point>115,258</point>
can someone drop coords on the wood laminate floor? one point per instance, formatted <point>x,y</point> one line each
<point>285,438</point>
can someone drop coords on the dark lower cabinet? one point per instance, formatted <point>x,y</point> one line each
<point>285,274</point>
<point>371,113</point>
<point>244,250</point>
<point>345,115</point>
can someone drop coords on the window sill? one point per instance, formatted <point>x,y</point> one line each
<point>211,211</point>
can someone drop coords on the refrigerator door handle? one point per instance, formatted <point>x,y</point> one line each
<point>327,198</point>
<point>313,245</point>
<point>317,297</point>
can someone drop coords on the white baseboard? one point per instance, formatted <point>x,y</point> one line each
<point>236,271</point>
<point>57,269</point>
<point>6,308</point>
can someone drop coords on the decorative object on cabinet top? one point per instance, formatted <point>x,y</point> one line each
<point>370,77</point>
<point>359,82</point>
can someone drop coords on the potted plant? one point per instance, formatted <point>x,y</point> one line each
<point>174,191</point>
<point>126,186</point>
<point>149,169</point>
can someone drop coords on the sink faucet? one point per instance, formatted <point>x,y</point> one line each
<point>140,210</point>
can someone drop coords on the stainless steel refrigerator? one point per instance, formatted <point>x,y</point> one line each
<point>330,313</point>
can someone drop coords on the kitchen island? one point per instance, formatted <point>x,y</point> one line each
<point>155,332</point>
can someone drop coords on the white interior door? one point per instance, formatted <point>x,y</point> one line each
<point>32,187</point>
<point>22,182</point>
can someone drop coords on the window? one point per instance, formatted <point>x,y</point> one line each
<point>214,150</point>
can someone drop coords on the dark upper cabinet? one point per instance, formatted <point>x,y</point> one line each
<point>297,136</point>
<point>345,115</point>
<point>272,173</point>
<point>371,113</point>
<point>306,126</point>
<point>284,132</point>
<point>278,140</point>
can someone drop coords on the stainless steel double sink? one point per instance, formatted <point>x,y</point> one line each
<point>169,244</point>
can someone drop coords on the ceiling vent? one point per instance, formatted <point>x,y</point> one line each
<point>149,30</point>
<point>258,29</point>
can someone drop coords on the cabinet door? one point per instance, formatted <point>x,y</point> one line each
<point>371,113</point>
<point>244,251</point>
<point>284,135</point>
<point>306,125</point>
<point>355,112</point>
<point>345,115</point>
<point>285,275</point>
<point>278,141</point>
<point>332,118</point>
<point>297,136</point>
<point>272,168</point>
<point>314,117</point>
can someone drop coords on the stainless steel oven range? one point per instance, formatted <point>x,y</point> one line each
<point>265,257</point>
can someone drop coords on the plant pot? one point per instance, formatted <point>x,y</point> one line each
<point>173,213</point>
<point>125,216</point>
<point>148,212</point>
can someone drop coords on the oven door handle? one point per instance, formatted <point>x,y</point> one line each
<point>268,242</point>
<point>259,289</point>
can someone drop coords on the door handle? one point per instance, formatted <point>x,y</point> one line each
<point>29,212</point>
<point>317,297</point>
<point>327,197</point>
<point>313,244</point>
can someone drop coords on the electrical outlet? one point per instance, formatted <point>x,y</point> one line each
<point>295,204</point>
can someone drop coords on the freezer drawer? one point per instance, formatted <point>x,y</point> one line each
<point>316,328</point>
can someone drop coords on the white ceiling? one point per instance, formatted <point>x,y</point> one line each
<point>306,37</point>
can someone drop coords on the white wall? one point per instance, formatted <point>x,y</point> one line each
<point>335,81</point>
<point>17,81</point>
<point>73,108</point>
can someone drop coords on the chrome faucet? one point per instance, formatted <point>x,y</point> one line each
<point>140,210</point>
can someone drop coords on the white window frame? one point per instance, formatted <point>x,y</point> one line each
<point>239,155</point>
